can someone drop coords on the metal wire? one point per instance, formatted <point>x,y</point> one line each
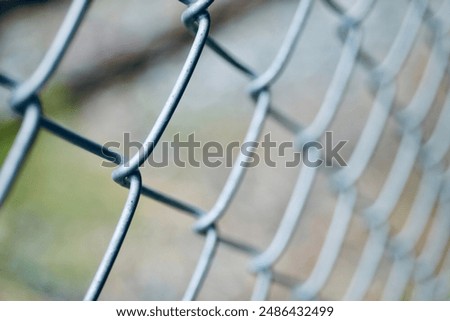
<point>426,271</point>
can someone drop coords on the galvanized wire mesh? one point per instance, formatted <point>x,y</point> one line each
<point>426,271</point>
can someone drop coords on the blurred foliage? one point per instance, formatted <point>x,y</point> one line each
<point>7,5</point>
<point>46,225</point>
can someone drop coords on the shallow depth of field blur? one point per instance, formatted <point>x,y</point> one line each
<point>58,220</point>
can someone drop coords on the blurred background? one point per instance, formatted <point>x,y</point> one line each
<point>117,74</point>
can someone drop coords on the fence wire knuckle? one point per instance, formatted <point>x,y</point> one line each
<point>425,269</point>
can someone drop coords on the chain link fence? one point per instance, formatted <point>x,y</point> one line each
<point>416,252</point>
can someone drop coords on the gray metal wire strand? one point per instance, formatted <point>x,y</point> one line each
<point>117,239</point>
<point>203,264</point>
<point>53,56</point>
<point>257,88</point>
<point>22,143</point>
<point>171,104</point>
